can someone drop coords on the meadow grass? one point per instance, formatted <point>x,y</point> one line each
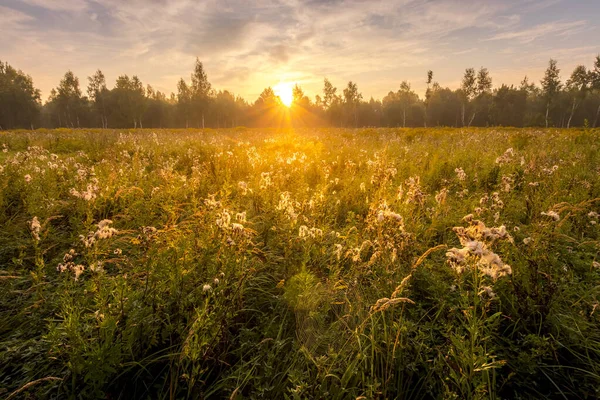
<point>328,263</point>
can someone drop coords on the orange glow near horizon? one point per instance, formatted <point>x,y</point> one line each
<point>284,91</point>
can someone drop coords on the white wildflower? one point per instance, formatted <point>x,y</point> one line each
<point>35,227</point>
<point>552,214</point>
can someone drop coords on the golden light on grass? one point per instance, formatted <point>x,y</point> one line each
<point>284,91</point>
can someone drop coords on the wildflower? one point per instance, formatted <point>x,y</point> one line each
<point>118,252</point>
<point>552,214</point>
<point>27,178</point>
<point>97,267</point>
<point>595,264</point>
<point>224,220</point>
<point>104,230</point>
<point>387,214</point>
<point>488,291</point>
<point>78,270</point>
<point>265,180</point>
<point>211,202</point>
<point>440,197</point>
<point>506,157</point>
<point>338,251</point>
<point>507,183</point>
<point>243,186</point>
<point>237,228</point>
<point>241,217</point>
<point>475,248</point>
<point>461,175</point>
<point>206,288</point>
<point>216,281</point>
<point>414,194</point>
<point>527,240</point>
<point>363,187</point>
<point>593,214</point>
<point>35,227</point>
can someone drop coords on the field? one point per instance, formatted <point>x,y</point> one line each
<point>329,263</point>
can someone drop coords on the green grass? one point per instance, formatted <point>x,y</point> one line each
<point>300,264</point>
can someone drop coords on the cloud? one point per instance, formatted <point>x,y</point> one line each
<point>548,29</point>
<point>58,5</point>
<point>246,46</point>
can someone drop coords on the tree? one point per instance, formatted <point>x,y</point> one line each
<point>551,85</point>
<point>200,91</point>
<point>332,103</point>
<point>509,106</point>
<point>352,98</point>
<point>483,99</point>
<point>577,86</point>
<point>469,89</point>
<point>98,94</point>
<point>329,95</point>
<point>595,85</point>
<point>130,98</point>
<point>69,100</point>
<point>184,101</point>
<point>399,107</point>
<point>428,93</point>
<point>19,99</point>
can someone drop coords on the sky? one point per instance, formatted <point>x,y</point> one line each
<point>247,46</point>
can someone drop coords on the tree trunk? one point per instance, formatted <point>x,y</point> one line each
<point>597,115</point>
<point>572,112</point>
<point>404,117</point>
<point>472,118</point>
<point>202,120</point>
<point>463,114</point>
<point>547,111</point>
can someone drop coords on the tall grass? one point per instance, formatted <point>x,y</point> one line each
<point>331,263</point>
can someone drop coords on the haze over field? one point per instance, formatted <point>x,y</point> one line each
<point>247,46</point>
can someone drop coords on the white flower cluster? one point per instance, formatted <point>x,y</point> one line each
<point>414,193</point>
<point>211,203</point>
<point>265,180</point>
<point>460,174</point>
<point>441,196</point>
<point>288,206</point>
<point>593,216</point>
<point>35,227</point>
<point>89,194</point>
<point>552,214</point>
<point>305,232</point>
<point>243,186</point>
<point>104,231</point>
<point>506,157</point>
<point>69,265</point>
<point>476,239</point>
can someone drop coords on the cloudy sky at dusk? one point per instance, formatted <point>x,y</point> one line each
<point>249,45</point>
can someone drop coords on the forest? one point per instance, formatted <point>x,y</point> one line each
<point>133,104</point>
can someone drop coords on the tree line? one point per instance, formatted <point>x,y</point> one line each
<point>131,104</point>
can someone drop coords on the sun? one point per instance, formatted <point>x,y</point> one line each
<point>284,91</point>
